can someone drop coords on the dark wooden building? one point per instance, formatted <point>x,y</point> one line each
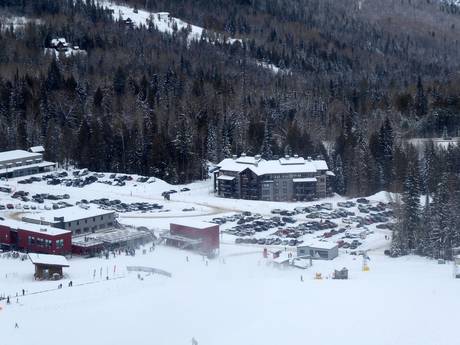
<point>48,266</point>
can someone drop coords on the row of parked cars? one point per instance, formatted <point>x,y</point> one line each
<point>121,207</point>
<point>268,241</point>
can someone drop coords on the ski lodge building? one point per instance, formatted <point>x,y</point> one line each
<point>76,219</point>
<point>15,235</point>
<point>21,163</point>
<point>284,179</point>
<point>92,229</point>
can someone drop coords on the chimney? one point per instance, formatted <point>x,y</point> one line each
<point>286,156</point>
<point>309,158</point>
<point>234,157</point>
<point>296,156</point>
<point>243,154</point>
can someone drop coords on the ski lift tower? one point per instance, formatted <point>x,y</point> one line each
<point>456,262</point>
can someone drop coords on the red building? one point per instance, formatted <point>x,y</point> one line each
<point>34,238</point>
<point>203,236</point>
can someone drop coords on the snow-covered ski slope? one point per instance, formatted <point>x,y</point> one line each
<point>240,300</point>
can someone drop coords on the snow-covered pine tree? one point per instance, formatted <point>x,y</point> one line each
<point>212,144</point>
<point>439,220</point>
<point>266,148</point>
<point>423,245</point>
<point>339,178</point>
<point>411,208</point>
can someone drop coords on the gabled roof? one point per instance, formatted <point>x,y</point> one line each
<point>48,260</point>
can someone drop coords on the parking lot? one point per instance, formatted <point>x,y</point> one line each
<point>347,223</point>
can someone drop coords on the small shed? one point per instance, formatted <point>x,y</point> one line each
<point>48,266</point>
<point>319,250</point>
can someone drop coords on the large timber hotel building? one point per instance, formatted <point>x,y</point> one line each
<point>285,179</point>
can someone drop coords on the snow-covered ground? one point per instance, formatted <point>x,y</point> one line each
<point>168,24</point>
<point>163,21</point>
<point>237,299</point>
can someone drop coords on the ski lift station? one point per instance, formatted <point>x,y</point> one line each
<point>319,250</point>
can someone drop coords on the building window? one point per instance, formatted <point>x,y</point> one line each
<point>60,244</point>
<point>78,222</point>
<point>102,217</point>
<point>94,219</point>
<point>86,221</point>
<point>85,229</point>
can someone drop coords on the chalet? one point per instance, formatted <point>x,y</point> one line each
<point>60,45</point>
<point>285,179</point>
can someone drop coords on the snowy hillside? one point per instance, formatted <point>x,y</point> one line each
<point>168,24</point>
<point>163,21</point>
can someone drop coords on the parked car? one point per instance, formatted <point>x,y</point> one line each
<point>185,189</point>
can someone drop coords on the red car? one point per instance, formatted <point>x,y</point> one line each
<point>10,206</point>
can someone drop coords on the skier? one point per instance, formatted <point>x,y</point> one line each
<point>16,325</point>
<point>194,342</point>
<point>8,300</point>
<point>301,278</point>
<point>23,292</point>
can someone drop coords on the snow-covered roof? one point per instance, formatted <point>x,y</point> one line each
<point>37,149</point>
<point>243,159</point>
<point>282,258</point>
<point>36,228</point>
<point>69,214</point>
<point>48,259</point>
<point>305,179</point>
<point>226,178</point>
<point>319,245</point>
<point>280,166</point>
<point>291,160</point>
<point>330,173</point>
<point>17,154</point>
<point>193,223</point>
